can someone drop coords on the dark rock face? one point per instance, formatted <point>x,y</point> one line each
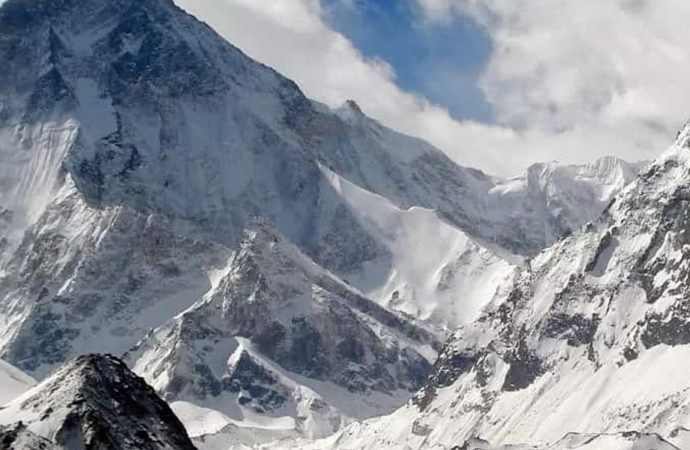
<point>575,329</point>
<point>47,331</point>
<point>345,246</point>
<point>136,255</point>
<point>671,328</point>
<point>449,366</point>
<point>159,64</point>
<point>606,246</point>
<point>263,388</point>
<point>107,407</point>
<point>18,437</point>
<point>674,223</point>
<point>525,367</point>
<point>51,90</point>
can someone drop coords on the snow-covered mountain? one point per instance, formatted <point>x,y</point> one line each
<point>591,342</point>
<point>264,261</point>
<point>13,382</point>
<point>575,441</point>
<point>567,193</point>
<point>94,402</point>
<point>280,340</point>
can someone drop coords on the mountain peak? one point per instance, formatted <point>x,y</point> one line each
<point>354,107</point>
<point>95,401</point>
<point>350,111</point>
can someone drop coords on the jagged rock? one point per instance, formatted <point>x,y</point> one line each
<point>18,437</point>
<point>94,401</point>
<point>275,307</point>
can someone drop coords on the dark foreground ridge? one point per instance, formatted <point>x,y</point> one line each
<point>92,402</point>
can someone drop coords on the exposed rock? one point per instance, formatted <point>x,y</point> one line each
<point>94,401</point>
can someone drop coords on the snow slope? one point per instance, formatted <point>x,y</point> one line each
<point>618,441</point>
<point>592,340</point>
<point>13,382</point>
<point>430,269</point>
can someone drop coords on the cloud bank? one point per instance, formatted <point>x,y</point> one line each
<point>569,81</point>
<point>610,67</point>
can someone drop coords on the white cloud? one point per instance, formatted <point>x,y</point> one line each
<point>610,67</point>
<point>569,80</point>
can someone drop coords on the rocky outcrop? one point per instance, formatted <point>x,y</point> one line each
<point>277,317</point>
<point>93,401</point>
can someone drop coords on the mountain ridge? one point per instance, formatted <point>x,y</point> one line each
<point>94,401</point>
<point>589,342</point>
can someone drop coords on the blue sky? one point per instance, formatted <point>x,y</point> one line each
<point>441,61</point>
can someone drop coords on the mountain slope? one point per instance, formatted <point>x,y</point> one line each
<point>13,382</point>
<point>575,441</point>
<point>96,402</point>
<point>281,336</point>
<point>591,340</point>
<point>429,269</point>
<point>568,195</point>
